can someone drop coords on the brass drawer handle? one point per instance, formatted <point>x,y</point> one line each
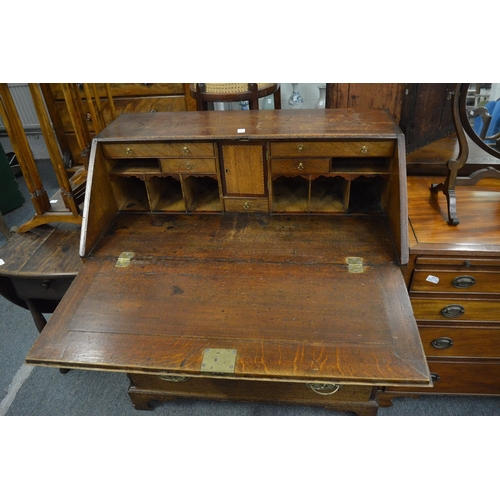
<point>189,166</point>
<point>300,147</point>
<point>301,166</point>
<point>246,206</point>
<point>324,389</point>
<point>442,343</point>
<point>364,150</point>
<point>185,150</point>
<point>452,311</point>
<point>128,151</point>
<point>174,378</point>
<point>46,284</point>
<point>463,281</point>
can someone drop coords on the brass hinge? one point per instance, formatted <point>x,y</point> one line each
<point>355,264</point>
<point>124,259</point>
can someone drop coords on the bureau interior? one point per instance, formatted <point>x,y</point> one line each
<point>330,185</point>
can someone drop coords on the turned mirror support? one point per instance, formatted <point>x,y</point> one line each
<point>461,119</point>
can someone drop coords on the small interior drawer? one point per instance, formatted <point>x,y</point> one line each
<point>246,204</point>
<point>158,149</point>
<point>301,166</point>
<point>333,148</point>
<point>185,165</point>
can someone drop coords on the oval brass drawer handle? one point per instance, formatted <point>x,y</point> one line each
<point>185,150</point>
<point>324,389</point>
<point>189,166</point>
<point>452,311</point>
<point>300,147</point>
<point>463,281</point>
<point>364,150</point>
<point>174,378</point>
<point>128,151</point>
<point>442,343</point>
<point>301,166</point>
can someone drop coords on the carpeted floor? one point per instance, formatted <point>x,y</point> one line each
<point>44,391</point>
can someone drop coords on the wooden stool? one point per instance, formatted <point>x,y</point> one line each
<point>234,92</point>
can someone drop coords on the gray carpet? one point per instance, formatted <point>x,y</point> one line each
<point>46,391</point>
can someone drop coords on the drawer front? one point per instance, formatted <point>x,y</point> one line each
<point>459,309</point>
<point>459,341</point>
<point>456,281</point>
<point>158,150</point>
<point>462,378</point>
<point>341,149</point>
<point>182,165</point>
<point>52,289</point>
<point>458,262</point>
<point>246,205</point>
<point>301,166</point>
<point>249,390</point>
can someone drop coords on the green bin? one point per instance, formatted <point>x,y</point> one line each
<point>10,194</point>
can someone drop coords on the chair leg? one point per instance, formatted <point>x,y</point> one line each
<point>253,102</point>
<point>277,98</point>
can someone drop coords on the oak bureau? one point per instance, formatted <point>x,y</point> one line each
<point>251,255</point>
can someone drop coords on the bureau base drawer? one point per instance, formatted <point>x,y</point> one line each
<point>145,388</point>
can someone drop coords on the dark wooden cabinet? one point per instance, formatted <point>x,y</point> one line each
<point>244,255</point>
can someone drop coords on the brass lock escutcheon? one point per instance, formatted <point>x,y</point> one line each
<point>324,389</point>
<point>452,311</point>
<point>464,281</point>
<point>442,343</point>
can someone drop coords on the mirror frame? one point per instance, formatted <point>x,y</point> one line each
<point>464,120</point>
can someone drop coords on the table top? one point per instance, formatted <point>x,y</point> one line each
<point>47,251</point>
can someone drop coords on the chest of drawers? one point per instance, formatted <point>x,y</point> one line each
<point>454,286</point>
<point>251,256</point>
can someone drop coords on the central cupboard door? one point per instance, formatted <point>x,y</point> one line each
<point>243,169</point>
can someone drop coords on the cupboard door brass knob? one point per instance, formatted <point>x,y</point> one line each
<point>324,389</point>
<point>300,147</point>
<point>452,311</point>
<point>246,206</point>
<point>301,166</point>
<point>463,281</point>
<point>364,150</point>
<point>185,150</point>
<point>128,151</point>
<point>442,343</point>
